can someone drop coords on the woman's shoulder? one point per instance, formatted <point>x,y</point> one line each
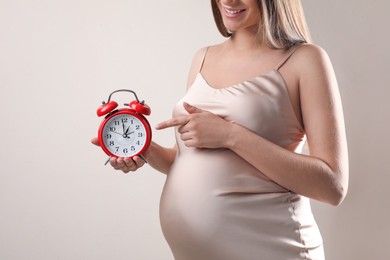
<point>309,58</point>
<point>198,56</point>
<point>197,61</point>
<point>309,53</point>
<point>196,65</point>
<point>200,53</point>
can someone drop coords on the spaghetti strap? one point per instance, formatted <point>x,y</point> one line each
<point>203,58</point>
<point>287,57</point>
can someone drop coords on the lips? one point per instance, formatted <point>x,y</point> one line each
<point>232,12</point>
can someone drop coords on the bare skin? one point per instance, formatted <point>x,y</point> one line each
<point>323,174</point>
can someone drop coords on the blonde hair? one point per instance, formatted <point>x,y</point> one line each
<point>282,23</point>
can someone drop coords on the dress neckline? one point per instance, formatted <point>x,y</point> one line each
<point>199,74</point>
<point>242,83</point>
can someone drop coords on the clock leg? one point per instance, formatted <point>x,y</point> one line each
<point>143,158</point>
<point>107,160</point>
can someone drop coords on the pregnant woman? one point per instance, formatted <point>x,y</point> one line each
<point>238,186</point>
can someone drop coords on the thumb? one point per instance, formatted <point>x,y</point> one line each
<point>191,109</point>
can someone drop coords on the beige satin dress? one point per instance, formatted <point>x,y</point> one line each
<point>215,205</point>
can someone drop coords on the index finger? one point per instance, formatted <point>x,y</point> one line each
<point>177,121</point>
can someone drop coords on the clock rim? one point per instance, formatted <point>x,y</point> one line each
<point>128,111</point>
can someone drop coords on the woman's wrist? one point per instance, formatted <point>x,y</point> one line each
<point>148,152</point>
<point>232,135</point>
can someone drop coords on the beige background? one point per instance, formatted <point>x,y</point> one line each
<point>60,59</point>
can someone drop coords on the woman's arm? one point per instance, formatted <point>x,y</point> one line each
<point>160,158</point>
<point>324,174</point>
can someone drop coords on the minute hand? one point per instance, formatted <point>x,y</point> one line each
<point>116,133</point>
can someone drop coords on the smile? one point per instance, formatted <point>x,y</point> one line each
<point>233,12</point>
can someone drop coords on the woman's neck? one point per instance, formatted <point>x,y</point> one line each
<point>246,40</point>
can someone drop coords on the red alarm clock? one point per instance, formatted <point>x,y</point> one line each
<point>124,132</point>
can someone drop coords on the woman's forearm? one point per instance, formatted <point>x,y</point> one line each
<point>160,158</point>
<point>305,175</point>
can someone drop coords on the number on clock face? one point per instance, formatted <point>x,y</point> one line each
<point>124,135</point>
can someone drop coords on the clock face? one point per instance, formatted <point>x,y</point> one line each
<point>124,134</point>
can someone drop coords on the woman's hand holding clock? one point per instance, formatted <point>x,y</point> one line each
<point>123,164</point>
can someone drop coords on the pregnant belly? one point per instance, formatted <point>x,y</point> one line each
<point>214,202</point>
<point>202,186</point>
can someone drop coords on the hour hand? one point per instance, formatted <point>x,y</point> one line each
<point>127,130</point>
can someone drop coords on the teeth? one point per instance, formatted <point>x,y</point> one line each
<point>232,11</point>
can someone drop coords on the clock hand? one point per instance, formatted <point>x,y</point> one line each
<point>123,125</point>
<point>116,133</point>
<point>128,134</point>
<point>127,130</point>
